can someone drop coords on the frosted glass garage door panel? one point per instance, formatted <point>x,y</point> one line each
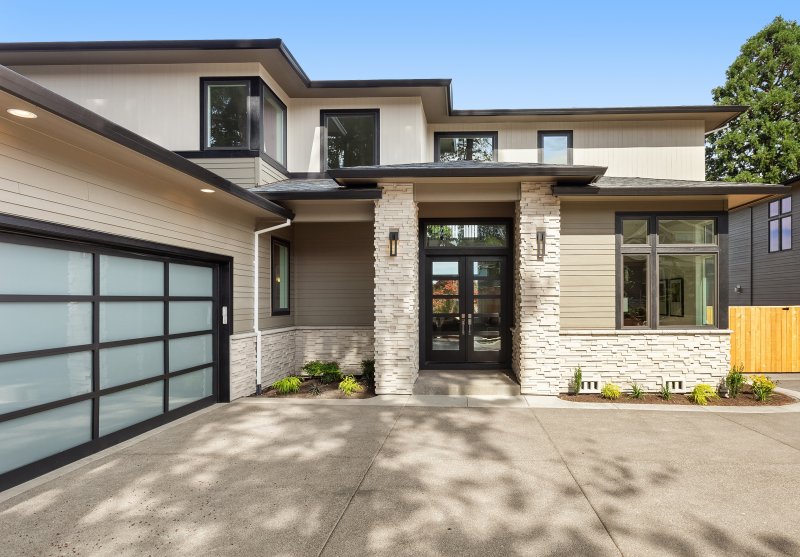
<point>37,436</point>
<point>187,317</point>
<point>190,280</point>
<point>34,381</point>
<point>35,270</point>
<point>126,408</point>
<point>123,276</point>
<point>128,320</point>
<point>190,351</point>
<point>26,326</point>
<point>190,387</point>
<point>125,364</point>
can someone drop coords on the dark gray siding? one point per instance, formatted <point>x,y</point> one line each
<point>775,276</point>
<point>739,246</point>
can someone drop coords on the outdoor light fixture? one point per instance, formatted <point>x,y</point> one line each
<point>21,113</point>
<point>394,237</point>
<point>207,190</point>
<point>540,243</point>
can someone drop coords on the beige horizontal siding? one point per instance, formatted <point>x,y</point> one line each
<point>333,274</point>
<point>267,174</point>
<point>241,171</point>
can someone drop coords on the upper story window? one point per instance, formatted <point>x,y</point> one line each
<point>465,146</point>
<point>668,270</point>
<point>243,114</point>
<point>350,138</point>
<point>555,147</point>
<point>780,224</point>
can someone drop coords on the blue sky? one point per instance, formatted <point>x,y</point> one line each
<point>499,54</point>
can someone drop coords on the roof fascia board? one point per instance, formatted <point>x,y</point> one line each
<point>656,191</point>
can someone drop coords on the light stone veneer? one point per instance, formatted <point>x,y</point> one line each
<point>535,338</point>
<point>624,357</point>
<point>396,291</point>
<point>285,350</point>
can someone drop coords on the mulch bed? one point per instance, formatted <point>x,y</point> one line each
<point>326,391</point>
<point>745,398</point>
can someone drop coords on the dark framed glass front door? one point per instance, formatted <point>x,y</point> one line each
<point>466,317</point>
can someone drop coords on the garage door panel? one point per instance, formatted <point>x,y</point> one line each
<point>124,276</point>
<point>28,326</point>
<point>131,406</point>
<point>190,352</point>
<point>190,280</point>
<point>126,364</point>
<point>39,270</point>
<point>33,381</point>
<point>189,317</point>
<point>189,387</point>
<point>130,320</point>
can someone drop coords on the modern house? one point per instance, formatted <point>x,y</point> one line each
<point>764,268</point>
<point>182,222</point>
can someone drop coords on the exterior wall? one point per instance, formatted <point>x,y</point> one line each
<point>401,129</point>
<point>644,149</point>
<point>396,292</point>
<point>243,365</point>
<point>346,345</point>
<point>241,171</point>
<point>767,279</point>
<point>645,358</point>
<point>588,251</point>
<point>535,337</point>
<point>334,274</point>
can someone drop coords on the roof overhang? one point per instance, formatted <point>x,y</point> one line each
<point>20,91</point>
<point>436,94</point>
<point>593,190</point>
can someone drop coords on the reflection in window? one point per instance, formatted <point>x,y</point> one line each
<point>280,277</point>
<point>634,231</point>
<point>227,115</point>
<point>351,138</point>
<point>780,225</point>
<point>465,147</point>
<point>466,235</point>
<point>687,290</point>
<point>634,290</point>
<point>273,126</point>
<point>555,147</point>
<point>686,231</point>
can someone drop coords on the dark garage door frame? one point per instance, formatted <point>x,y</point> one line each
<point>40,233</point>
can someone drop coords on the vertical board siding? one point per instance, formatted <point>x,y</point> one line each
<point>764,338</point>
<point>740,248</point>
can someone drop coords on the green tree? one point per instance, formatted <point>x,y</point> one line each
<point>762,145</point>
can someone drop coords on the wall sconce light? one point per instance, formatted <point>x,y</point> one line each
<point>394,237</point>
<point>541,238</point>
<point>739,289</point>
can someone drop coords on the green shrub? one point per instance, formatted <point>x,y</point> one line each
<point>368,373</point>
<point>735,380</point>
<point>702,393</point>
<point>314,390</point>
<point>665,393</point>
<point>327,372</point>
<point>290,384</point>
<point>636,391</point>
<point>762,387</point>
<point>349,385</point>
<point>610,391</point>
<point>577,379</point>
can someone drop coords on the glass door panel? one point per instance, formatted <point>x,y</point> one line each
<point>486,323</point>
<point>445,323</point>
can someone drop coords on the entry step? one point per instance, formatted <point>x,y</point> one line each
<point>465,382</point>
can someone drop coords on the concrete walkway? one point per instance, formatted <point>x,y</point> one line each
<point>295,479</point>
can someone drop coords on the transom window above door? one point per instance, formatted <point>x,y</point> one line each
<point>350,138</point>
<point>555,146</point>
<point>465,146</point>
<point>243,114</point>
<point>485,235</point>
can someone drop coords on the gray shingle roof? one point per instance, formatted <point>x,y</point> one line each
<point>314,188</point>
<point>458,169</point>
<point>614,185</point>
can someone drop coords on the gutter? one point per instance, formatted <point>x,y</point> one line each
<point>256,235</point>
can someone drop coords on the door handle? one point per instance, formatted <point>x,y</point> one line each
<point>463,323</point>
<point>469,324</point>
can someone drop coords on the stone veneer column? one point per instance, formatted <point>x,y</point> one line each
<point>396,291</point>
<point>535,350</point>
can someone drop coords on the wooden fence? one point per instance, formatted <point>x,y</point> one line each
<point>765,339</point>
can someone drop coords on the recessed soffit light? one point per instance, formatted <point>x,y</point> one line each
<point>207,190</point>
<point>21,113</point>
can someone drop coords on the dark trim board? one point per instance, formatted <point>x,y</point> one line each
<point>24,231</point>
<point>350,193</point>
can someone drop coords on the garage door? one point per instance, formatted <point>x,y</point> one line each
<point>98,344</point>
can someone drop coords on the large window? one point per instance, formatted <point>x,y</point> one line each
<point>243,114</point>
<point>780,224</point>
<point>465,146</point>
<point>280,277</point>
<point>555,147</point>
<point>350,138</point>
<point>668,270</point>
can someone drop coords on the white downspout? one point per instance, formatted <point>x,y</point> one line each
<point>257,331</point>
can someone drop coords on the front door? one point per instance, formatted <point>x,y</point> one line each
<point>467,309</point>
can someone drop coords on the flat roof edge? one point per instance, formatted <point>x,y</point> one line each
<point>660,191</point>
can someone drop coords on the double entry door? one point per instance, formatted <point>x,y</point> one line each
<point>467,309</point>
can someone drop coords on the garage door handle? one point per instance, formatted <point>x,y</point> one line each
<point>224,315</point>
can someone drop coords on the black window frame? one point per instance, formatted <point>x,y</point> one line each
<point>541,134</point>
<point>779,218</point>
<point>275,292</point>
<point>325,113</point>
<point>653,249</point>
<point>255,144</point>
<point>466,134</point>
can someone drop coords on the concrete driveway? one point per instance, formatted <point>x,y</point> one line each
<point>289,479</point>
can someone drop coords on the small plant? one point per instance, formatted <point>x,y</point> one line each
<point>327,372</point>
<point>610,391</point>
<point>702,393</point>
<point>735,380</point>
<point>287,385</point>
<point>349,385</point>
<point>577,380</point>
<point>762,387</point>
<point>368,373</point>
<point>314,390</point>
<point>636,391</point>
<point>665,393</point>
